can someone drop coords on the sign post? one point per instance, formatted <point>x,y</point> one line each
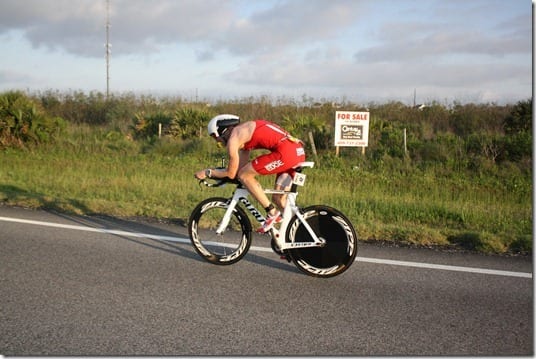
<point>351,129</point>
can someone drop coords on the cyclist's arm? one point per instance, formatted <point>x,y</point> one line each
<point>234,159</point>
<point>237,156</point>
<point>244,158</point>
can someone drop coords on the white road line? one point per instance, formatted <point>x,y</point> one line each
<point>447,267</point>
<point>92,229</point>
<point>264,249</point>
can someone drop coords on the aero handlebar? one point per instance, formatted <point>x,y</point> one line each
<point>218,182</point>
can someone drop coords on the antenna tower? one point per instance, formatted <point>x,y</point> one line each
<point>108,48</point>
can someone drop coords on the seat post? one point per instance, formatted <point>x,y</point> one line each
<point>299,168</point>
<point>294,187</point>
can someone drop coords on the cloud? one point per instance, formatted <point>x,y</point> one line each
<point>137,26</point>
<point>288,24</point>
<point>13,77</point>
<point>142,26</point>
<point>336,76</point>
<point>335,46</point>
<point>71,26</point>
<point>405,41</point>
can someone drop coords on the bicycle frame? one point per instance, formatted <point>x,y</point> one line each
<point>318,239</point>
<point>241,194</point>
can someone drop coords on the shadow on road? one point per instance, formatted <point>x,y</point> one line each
<point>168,227</point>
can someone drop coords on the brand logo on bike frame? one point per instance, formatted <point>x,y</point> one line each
<point>259,217</point>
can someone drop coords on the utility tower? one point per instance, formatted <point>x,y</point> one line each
<point>108,48</point>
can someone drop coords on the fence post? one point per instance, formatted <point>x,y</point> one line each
<point>405,143</point>
<point>311,138</point>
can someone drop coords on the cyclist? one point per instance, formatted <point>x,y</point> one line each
<point>239,139</point>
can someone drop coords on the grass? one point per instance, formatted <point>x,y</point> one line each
<point>427,208</point>
<point>97,171</point>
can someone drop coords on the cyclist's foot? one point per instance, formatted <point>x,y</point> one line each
<point>270,221</point>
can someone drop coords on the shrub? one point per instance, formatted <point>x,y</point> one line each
<point>520,118</point>
<point>517,146</point>
<point>23,122</point>
<point>188,123</point>
<point>146,126</point>
<point>184,123</point>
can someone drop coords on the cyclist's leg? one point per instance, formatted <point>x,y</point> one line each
<point>292,153</point>
<point>247,176</point>
<point>282,159</point>
<point>283,182</point>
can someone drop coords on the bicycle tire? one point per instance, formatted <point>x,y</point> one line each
<point>340,250</point>
<point>226,248</point>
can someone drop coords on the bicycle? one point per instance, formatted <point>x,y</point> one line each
<point>318,239</point>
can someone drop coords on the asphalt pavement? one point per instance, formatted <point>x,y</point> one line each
<point>102,286</point>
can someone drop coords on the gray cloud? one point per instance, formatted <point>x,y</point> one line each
<point>137,26</point>
<point>76,27</point>
<point>411,41</point>
<point>140,26</point>
<point>296,44</point>
<point>290,23</point>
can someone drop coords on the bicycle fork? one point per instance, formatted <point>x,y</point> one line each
<point>237,195</point>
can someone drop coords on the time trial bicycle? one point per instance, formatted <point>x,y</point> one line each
<point>319,240</point>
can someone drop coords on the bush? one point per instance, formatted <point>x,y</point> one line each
<point>520,118</point>
<point>147,126</point>
<point>184,123</point>
<point>189,123</point>
<point>517,147</point>
<point>23,122</point>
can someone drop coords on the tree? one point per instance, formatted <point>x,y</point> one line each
<point>520,119</point>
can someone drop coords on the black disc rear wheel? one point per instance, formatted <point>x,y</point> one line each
<point>336,230</point>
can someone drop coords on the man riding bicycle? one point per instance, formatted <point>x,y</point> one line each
<point>239,139</point>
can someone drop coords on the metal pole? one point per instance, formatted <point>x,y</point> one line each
<point>108,51</point>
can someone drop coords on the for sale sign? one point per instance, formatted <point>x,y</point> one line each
<point>351,129</point>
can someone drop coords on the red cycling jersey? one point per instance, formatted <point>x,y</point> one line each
<point>267,135</point>
<point>286,151</point>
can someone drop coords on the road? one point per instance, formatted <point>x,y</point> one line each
<point>92,286</point>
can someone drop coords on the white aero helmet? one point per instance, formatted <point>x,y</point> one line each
<point>220,123</point>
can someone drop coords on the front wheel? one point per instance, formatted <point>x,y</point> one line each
<point>226,248</point>
<point>340,248</point>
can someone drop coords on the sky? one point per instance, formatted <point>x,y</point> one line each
<point>362,51</point>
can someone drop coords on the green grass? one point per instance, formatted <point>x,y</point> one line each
<point>97,171</point>
<point>427,208</point>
